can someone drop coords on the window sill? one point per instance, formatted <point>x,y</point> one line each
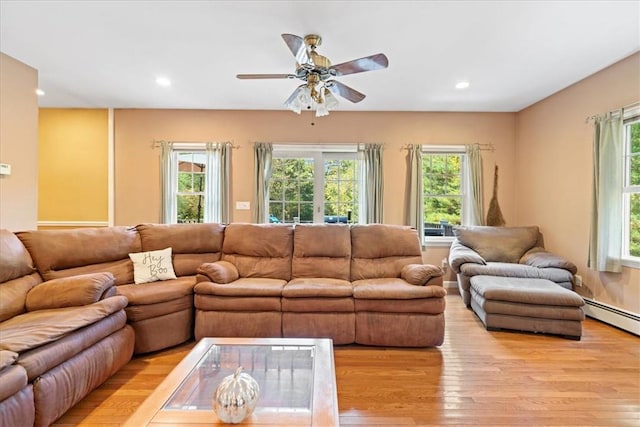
<point>631,262</point>
<point>437,241</point>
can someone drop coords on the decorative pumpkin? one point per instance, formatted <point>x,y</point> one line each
<point>236,397</point>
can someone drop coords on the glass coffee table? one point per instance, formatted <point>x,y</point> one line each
<point>296,377</point>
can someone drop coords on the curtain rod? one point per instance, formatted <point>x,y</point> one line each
<point>633,106</point>
<point>483,147</point>
<point>158,143</point>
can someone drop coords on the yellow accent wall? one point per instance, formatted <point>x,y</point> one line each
<point>73,165</point>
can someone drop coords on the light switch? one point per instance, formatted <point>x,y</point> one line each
<point>5,169</point>
<point>243,206</point>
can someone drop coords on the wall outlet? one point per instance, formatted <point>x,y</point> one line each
<point>578,280</point>
<point>444,264</point>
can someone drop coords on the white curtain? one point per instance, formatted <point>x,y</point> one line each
<point>605,242</point>
<point>217,183</point>
<point>415,194</point>
<point>474,212</point>
<point>169,178</point>
<point>263,153</point>
<point>373,184</point>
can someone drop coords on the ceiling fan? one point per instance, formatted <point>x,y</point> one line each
<point>318,74</point>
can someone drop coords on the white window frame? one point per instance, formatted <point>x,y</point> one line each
<point>630,117</point>
<point>445,241</point>
<point>319,153</point>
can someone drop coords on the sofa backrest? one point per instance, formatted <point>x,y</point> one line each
<point>259,250</point>
<point>17,275</point>
<point>191,244</point>
<point>64,253</point>
<point>321,250</point>
<point>381,250</point>
<point>499,244</point>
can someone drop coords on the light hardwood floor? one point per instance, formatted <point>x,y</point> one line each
<point>475,378</point>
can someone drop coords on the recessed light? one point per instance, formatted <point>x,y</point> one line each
<point>39,92</point>
<point>462,84</point>
<point>163,81</point>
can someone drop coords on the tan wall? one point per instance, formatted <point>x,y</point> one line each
<point>137,177</point>
<point>73,165</point>
<point>18,144</point>
<point>554,173</point>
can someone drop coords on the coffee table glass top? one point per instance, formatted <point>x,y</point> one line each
<point>283,372</point>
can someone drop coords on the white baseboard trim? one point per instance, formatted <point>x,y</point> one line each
<point>611,315</point>
<point>73,223</point>
<point>450,284</point>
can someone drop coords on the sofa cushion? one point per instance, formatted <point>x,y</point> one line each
<point>259,250</point>
<point>380,250</point>
<point>63,253</point>
<point>7,358</point>
<point>419,274</point>
<point>243,287</point>
<point>498,244</point>
<point>157,292</point>
<point>516,270</point>
<point>321,250</point>
<point>538,257</point>
<point>15,260</point>
<point>152,266</point>
<point>317,287</point>
<point>31,330</point>
<point>191,244</point>
<point>13,379</point>
<point>219,272</point>
<point>69,291</point>
<point>394,289</point>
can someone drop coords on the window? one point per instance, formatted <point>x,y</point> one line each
<point>190,195</point>
<point>195,184</point>
<point>313,186</point>
<point>443,195</point>
<point>631,191</point>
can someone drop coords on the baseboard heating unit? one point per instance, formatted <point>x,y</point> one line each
<point>606,313</point>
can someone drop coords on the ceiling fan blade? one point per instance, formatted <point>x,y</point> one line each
<point>297,47</point>
<point>345,91</point>
<point>295,43</point>
<point>368,63</point>
<point>265,76</point>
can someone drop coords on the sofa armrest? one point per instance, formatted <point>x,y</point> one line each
<point>540,258</point>
<point>460,254</point>
<point>420,274</point>
<point>70,291</point>
<point>218,272</point>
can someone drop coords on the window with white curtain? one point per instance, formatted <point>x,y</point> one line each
<point>631,188</point>
<point>194,182</point>
<point>314,184</point>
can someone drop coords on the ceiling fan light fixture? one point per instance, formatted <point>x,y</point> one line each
<point>330,101</point>
<point>322,110</point>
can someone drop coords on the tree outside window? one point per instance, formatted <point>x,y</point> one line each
<point>191,186</point>
<point>442,187</point>
<point>632,187</point>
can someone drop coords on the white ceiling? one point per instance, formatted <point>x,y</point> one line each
<point>514,53</point>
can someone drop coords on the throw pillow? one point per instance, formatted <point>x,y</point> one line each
<point>152,266</point>
<point>419,274</point>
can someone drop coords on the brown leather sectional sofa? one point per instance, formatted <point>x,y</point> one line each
<point>71,314</point>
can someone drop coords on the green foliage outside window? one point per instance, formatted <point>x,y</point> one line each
<point>634,179</point>
<point>191,185</point>
<point>442,186</point>
<point>291,189</point>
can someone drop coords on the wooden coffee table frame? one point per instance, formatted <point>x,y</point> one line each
<point>324,401</point>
